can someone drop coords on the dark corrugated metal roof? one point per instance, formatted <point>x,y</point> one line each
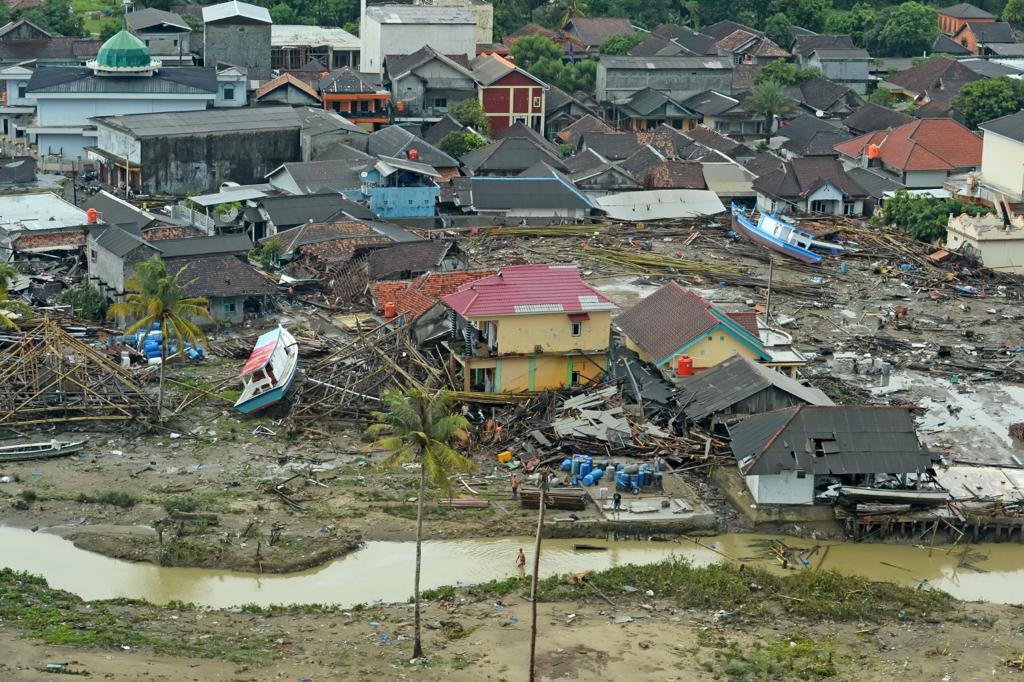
<point>169,80</point>
<point>204,246</point>
<point>735,380</point>
<point>395,141</point>
<point>119,242</point>
<point>525,193</point>
<point>832,440</point>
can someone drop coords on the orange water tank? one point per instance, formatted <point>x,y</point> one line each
<point>414,154</point>
<point>91,216</point>
<point>684,366</point>
<point>874,151</point>
<point>390,309</point>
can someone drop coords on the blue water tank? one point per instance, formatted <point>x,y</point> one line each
<point>588,480</point>
<point>598,474</point>
<point>566,464</point>
<point>586,468</point>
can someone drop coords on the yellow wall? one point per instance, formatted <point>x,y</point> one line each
<point>1002,163</point>
<point>551,331</point>
<point>709,353</point>
<point>549,371</point>
<point>644,357</point>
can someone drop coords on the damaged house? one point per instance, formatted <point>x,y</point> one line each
<point>789,456</point>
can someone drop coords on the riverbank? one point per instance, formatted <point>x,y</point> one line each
<point>694,624</point>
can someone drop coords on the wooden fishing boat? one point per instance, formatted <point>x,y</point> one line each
<point>26,451</point>
<point>269,372</point>
<point>896,496</point>
<point>780,235</point>
<point>589,548</point>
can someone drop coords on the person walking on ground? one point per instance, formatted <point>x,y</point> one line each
<point>515,486</point>
<point>617,503</point>
<point>521,562</point>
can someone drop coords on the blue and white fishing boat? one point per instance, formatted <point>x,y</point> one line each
<point>779,234</point>
<point>269,372</point>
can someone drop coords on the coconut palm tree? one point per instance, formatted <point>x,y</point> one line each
<point>769,99</point>
<point>8,273</point>
<point>154,296</point>
<point>10,306</point>
<point>419,426</point>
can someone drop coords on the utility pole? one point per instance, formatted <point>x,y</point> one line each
<point>536,572</point>
<point>768,299</point>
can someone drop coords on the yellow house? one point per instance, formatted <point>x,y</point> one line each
<point>674,322</point>
<point>530,328</point>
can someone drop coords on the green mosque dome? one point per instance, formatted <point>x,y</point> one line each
<point>123,51</point>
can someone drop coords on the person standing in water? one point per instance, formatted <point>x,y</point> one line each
<point>521,562</point>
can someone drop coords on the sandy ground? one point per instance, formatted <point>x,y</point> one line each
<point>577,642</point>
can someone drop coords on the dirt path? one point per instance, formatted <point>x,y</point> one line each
<point>482,641</point>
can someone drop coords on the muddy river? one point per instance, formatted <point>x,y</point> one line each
<point>383,571</point>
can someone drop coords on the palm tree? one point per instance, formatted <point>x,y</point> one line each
<point>572,9</point>
<point>9,306</point>
<point>154,296</point>
<point>769,99</point>
<point>8,273</point>
<point>419,426</point>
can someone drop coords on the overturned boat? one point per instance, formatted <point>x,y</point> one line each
<point>779,234</point>
<point>269,372</point>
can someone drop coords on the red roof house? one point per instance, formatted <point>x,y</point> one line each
<point>509,94</point>
<point>413,298</point>
<point>917,154</point>
<point>527,290</point>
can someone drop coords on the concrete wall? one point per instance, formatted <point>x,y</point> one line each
<point>245,45</point>
<point>66,110</point>
<point>924,179</point>
<point>1002,163</point>
<point>483,14</point>
<point>717,345</point>
<point>551,331</point>
<point>120,143</point>
<point>846,70</point>
<point>238,98</point>
<point>176,165</point>
<point>13,88</point>
<point>109,272</point>
<point>71,145</point>
<point>617,84</point>
<point>540,372</point>
<point>380,40</point>
<point>229,309</point>
<point>784,488</point>
<point>165,42</point>
<point>417,91</point>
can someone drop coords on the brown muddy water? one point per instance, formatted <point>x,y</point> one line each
<point>383,571</point>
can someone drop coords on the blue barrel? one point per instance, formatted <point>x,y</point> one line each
<point>586,468</point>
<point>575,465</point>
<point>621,480</point>
<point>155,327</point>
<point>575,481</point>
<point>566,464</point>
<point>152,354</point>
<point>588,480</point>
<point>598,474</point>
<point>620,466</point>
<point>634,480</point>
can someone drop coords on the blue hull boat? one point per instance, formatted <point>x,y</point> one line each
<point>269,372</point>
<point>780,235</point>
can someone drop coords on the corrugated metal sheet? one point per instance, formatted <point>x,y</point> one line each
<point>236,10</point>
<point>854,440</point>
<point>664,204</point>
<point>170,124</point>
<point>418,14</point>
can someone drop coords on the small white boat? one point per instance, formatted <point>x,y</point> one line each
<point>26,451</point>
<point>269,372</point>
<point>781,235</point>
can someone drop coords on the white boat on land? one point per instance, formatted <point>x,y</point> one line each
<point>26,451</point>
<point>269,372</point>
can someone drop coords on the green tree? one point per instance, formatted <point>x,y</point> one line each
<point>86,300</point>
<point>622,44</point>
<point>857,23</point>
<point>570,9</point>
<point>769,99</point>
<point>782,72</point>
<point>459,142</point>
<point>8,273</point>
<point>470,113</point>
<point>1014,12</point>
<point>779,28</point>
<point>809,14</point>
<point>904,30</point>
<point>267,254</point>
<point>923,217</point>
<point>987,99</point>
<point>882,98</point>
<point>419,426</point>
<point>529,50</point>
<point>54,16</point>
<point>154,296</point>
<point>108,29</point>
<point>282,13</point>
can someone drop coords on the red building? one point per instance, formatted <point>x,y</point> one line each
<point>952,19</point>
<point>508,94</point>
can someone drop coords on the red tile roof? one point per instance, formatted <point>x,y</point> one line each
<point>418,296</point>
<point>671,318</point>
<point>927,144</point>
<point>529,290</point>
<point>284,80</point>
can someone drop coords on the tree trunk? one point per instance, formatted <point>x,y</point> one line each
<point>768,118</point>
<point>163,361</point>
<point>536,574</point>
<point>417,649</point>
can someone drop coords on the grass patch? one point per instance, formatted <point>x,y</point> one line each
<point>60,618</point>
<point>790,658</point>
<point>810,594</point>
<point>29,495</point>
<point>116,498</point>
<point>211,501</point>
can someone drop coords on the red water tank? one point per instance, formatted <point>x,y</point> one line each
<point>413,154</point>
<point>91,216</point>
<point>684,366</point>
<point>390,310</point>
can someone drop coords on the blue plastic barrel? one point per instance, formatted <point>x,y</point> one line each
<point>598,474</point>
<point>588,480</point>
<point>586,468</point>
<point>566,464</point>
<point>575,481</point>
